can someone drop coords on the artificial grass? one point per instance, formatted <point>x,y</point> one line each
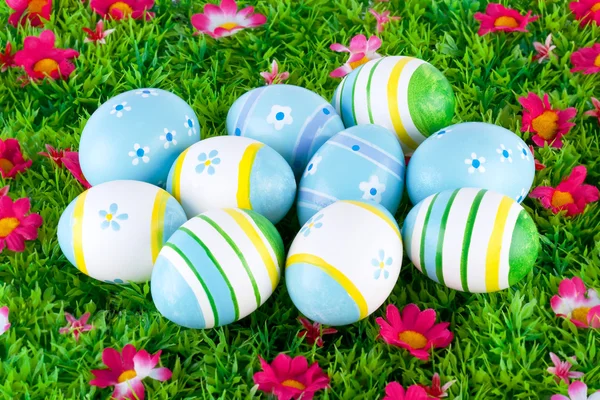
<point>502,339</point>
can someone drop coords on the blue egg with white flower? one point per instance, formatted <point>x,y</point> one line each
<point>137,135</point>
<point>292,120</point>
<point>471,154</point>
<point>364,162</point>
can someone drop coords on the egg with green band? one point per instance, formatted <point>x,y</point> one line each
<point>232,171</point>
<point>472,240</point>
<point>217,268</point>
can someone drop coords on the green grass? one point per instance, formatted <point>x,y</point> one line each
<point>502,339</point>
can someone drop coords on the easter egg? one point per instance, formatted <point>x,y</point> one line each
<point>294,121</point>
<point>403,94</point>
<point>363,162</point>
<point>137,135</point>
<point>114,231</point>
<point>344,262</point>
<point>217,268</point>
<point>471,154</point>
<point>231,171</point>
<point>472,240</point>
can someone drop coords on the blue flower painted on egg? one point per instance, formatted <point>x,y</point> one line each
<point>139,153</point>
<point>190,126</point>
<point>207,162</point>
<point>524,151</point>
<point>111,216</point>
<point>280,116</point>
<point>505,154</point>
<point>168,138</point>
<point>313,166</point>
<point>476,163</point>
<point>145,93</point>
<point>312,224</point>
<point>372,189</point>
<point>118,109</point>
<point>381,262</point>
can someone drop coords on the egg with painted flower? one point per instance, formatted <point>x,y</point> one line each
<point>344,262</point>
<point>114,231</point>
<point>292,120</point>
<point>137,135</point>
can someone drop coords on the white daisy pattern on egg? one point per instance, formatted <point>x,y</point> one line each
<point>280,116</point>
<point>505,154</point>
<point>372,189</point>
<point>145,93</point>
<point>190,126</point>
<point>312,167</point>
<point>118,109</point>
<point>524,152</point>
<point>139,153</point>
<point>168,138</point>
<point>475,163</point>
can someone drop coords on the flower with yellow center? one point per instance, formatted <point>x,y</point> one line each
<point>228,25</point>
<point>580,314</point>
<point>121,6</point>
<point>126,376</point>
<point>6,165</point>
<point>546,124</point>
<point>506,22</point>
<point>207,163</point>
<point>8,225</point>
<point>414,339</point>
<point>46,66</point>
<point>109,217</point>
<point>293,384</point>
<point>35,6</point>
<point>560,199</point>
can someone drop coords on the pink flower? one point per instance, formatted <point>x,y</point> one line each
<point>499,18</point>
<point>4,190</point>
<point>561,369</point>
<point>574,302</point>
<point>122,9</point>
<point>544,51</point>
<point>126,372</point>
<point>395,391</point>
<point>290,378</point>
<point>361,51</point>
<point>15,226</point>
<point>29,10</point>
<point>586,60</point>
<point>313,333</point>
<point>98,35</point>
<point>41,59</point>
<point>225,20</point>
<point>54,155</point>
<point>4,324</point>
<point>382,18</point>
<point>71,162</point>
<point>571,194</point>
<point>577,391</point>
<point>274,76</point>
<point>548,124</point>
<point>596,111</point>
<point>538,165</point>
<point>436,390</point>
<point>7,59</point>
<point>586,11</point>
<point>76,326</point>
<point>415,331</point>
<point>11,158</point>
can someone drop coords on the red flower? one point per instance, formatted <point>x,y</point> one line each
<point>41,59</point>
<point>596,111</point>
<point>274,77</point>
<point>499,18</point>
<point>98,35</point>
<point>126,372</point>
<point>4,190</point>
<point>586,60</point>
<point>76,326</point>
<point>71,162</point>
<point>586,11</point>
<point>225,20</point>
<point>415,331</point>
<point>548,124</point>
<point>29,10</point>
<point>544,51</point>
<point>121,9</point>
<point>7,59</point>
<point>314,332</point>
<point>290,378</point>
<point>15,226</point>
<point>437,391</point>
<point>571,194</point>
<point>54,155</point>
<point>395,391</point>
<point>562,369</point>
<point>11,158</point>
<point>538,165</point>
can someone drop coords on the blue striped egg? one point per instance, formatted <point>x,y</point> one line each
<point>344,262</point>
<point>232,171</point>
<point>472,240</point>
<point>471,154</point>
<point>114,231</point>
<point>363,162</point>
<point>292,120</point>
<point>137,135</point>
<point>217,268</point>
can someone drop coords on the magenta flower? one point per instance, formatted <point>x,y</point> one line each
<point>4,324</point>
<point>436,390</point>
<point>361,51</point>
<point>498,18</point>
<point>395,391</point>
<point>580,305</point>
<point>225,20</point>
<point>382,19</point>
<point>544,51</point>
<point>561,369</point>
<point>7,58</point>
<point>577,391</point>
<point>586,59</point>
<point>97,35</point>
<point>313,333</point>
<point>76,326</point>
<point>274,76</point>
<point>123,9</point>
<point>4,190</point>
<point>596,111</point>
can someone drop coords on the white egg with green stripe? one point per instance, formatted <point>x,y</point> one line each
<point>217,268</point>
<point>472,240</point>
<point>233,171</point>
<point>406,95</point>
<point>114,231</point>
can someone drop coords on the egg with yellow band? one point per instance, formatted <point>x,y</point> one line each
<point>232,171</point>
<point>114,231</point>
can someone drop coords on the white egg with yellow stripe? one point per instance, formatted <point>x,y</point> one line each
<point>344,262</point>
<point>232,171</point>
<point>217,268</point>
<point>114,231</point>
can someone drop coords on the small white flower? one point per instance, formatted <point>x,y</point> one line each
<point>169,138</point>
<point>521,196</point>
<point>475,163</point>
<point>524,152</point>
<point>372,189</point>
<point>139,153</point>
<point>119,108</point>
<point>280,116</point>
<point>505,154</point>
<point>190,126</point>
<point>147,93</point>
<point>311,168</point>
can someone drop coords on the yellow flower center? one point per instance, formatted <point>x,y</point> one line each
<point>559,198</point>
<point>127,375</point>
<point>35,6</point>
<point>311,225</point>
<point>506,22</point>
<point>7,225</point>
<point>45,66</point>
<point>414,339</point>
<point>546,125</point>
<point>356,64</point>
<point>207,163</point>
<point>123,7</point>
<point>596,7</point>
<point>228,25</point>
<point>597,61</point>
<point>6,165</point>
<point>381,265</point>
<point>109,217</point>
<point>580,314</point>
<point>293,384</point>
